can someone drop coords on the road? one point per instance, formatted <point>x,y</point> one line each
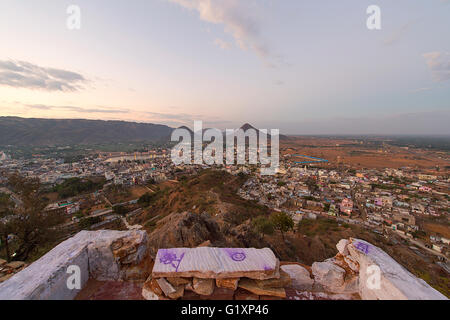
<point>421,245</point>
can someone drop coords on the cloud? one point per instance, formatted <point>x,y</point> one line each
<point>421,89</point>
<point>76,109</point>
<point>396,36</point>
<point>238,18</point>
<point>439,64</point>
<point>175,119</point>
<point>222,44</point>
<point>179,119</point>
<point>21,74</point>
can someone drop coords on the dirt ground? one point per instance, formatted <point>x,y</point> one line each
<point>363,155</point>
<point>137,191</point>
<point>440,229</point>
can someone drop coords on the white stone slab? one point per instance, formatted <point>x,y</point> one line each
<point>207,262</point>
<point>394,282</point>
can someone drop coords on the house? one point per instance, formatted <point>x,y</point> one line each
<point>407,219</point>
<point>332,210</point>
<point>346,206</point>
<point>425,189</point>
<point>418,208</point>
<point>435,238</point>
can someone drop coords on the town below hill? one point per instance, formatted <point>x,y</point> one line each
<point>397,199</point>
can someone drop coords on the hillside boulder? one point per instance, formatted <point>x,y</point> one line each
<point>382,278</point>
<point>300,277</point>
<point>328,275</point>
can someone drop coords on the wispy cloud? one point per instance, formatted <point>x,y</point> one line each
<point>239,20</point>
<point>174,119</point>
<point>76,109</point>
<point>421,89</point>
<point>183,118</point>
<point>398,34</point>
<point>439,64</point>
<point>222,44</point>
<point>21,74</point>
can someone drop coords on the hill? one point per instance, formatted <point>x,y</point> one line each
<point>38,132</point>
<point>205,209</point>
<point>247,126</point>
<point>43,132</point>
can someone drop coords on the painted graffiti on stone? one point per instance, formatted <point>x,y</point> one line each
<point>235,255</point>
<point>363,247</point>
<point>267,268</point>
<point>169,257</point>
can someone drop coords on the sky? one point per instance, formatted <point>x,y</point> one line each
<point>304,67</point>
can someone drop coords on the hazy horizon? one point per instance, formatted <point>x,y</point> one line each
<point>331,134</point>
<point>304,67</point>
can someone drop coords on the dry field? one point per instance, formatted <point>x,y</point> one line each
<point>440,229</point>
<point>137,191</point>
<point>360,154</point>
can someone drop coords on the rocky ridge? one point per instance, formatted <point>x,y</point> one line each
<point>359,271</point>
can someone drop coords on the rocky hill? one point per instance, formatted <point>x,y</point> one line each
<point>204,209</point>
<point>247,126</point>
<point>200,208</point>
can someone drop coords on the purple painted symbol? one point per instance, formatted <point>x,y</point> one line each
<point>168,257</point>
<point>236,255</point>
<point>364,248</point>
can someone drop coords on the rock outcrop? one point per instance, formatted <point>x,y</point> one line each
<point>185,229</point>
<point>382,278</point>
<point>7,270</point>
<point>105,255</point>
<point>328,274</point>
<point>364,269</point>
<point>359,271</point>
<point>300,277</point>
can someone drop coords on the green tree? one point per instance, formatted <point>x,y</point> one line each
<point>86,223</point>
<point>282,222</point>
<point>31,224</point>
<point>6,212</point>
<point>312,185</point>
<point>146,199</point>
<point>263,225</point>
<point>75,186</point>
<point>121,210</point>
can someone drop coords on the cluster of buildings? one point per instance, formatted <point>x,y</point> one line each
<point>116,169</point>
<point>125,169</point>
<point>379,199</point>
<point>390,199</point>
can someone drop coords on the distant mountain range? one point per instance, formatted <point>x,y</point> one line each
<point>247,126</point>
<point>244,127</point>
<point>39,132</point>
